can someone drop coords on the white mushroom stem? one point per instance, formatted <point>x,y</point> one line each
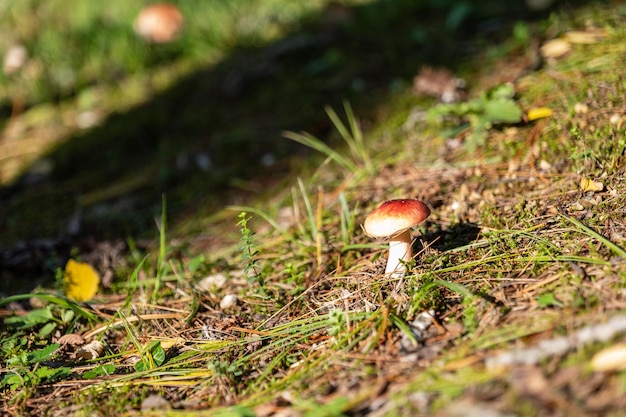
<point>399,253</point>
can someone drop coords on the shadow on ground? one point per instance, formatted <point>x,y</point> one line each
<point>214,138</point>
<point>458,235</point>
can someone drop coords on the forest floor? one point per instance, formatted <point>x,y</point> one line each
<point>210,204</point>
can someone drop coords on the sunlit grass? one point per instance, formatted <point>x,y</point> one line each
<point>352,135</point>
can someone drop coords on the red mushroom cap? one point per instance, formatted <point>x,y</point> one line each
<point>394,216</point>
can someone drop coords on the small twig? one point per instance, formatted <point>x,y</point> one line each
<point>541,283</point>
<point>558,346</point>
<point>130,319</point>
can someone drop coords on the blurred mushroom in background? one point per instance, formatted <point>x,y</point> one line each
<point>159,23</point>
<point>14,59</point>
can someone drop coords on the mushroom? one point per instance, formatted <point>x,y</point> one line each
<point>159,23</point>
<point>394,219</point>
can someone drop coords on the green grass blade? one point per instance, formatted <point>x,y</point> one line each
<point>309,209</point>
<point>590,232</point>
<point>161,265</point>
<point>316,144</point>
<point>344,218</point>
<point>357,136</point>
<point>62,302</point>
<point>342,129</point>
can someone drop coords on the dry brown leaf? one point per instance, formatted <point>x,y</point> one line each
<point>585,37</point>
<point>90,351</point>
<point>440,83</point>
<point>71,339</point>
<point>587,184</point>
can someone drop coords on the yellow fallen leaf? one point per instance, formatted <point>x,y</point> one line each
<point>168,343</point>
<point>81,281</point>
<point>587,184</point>
<point>538,113</point>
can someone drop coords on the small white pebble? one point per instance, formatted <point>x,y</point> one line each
<point>545,165</point>
<point>211,282</point>
<point>580,108</point>
<point>616,119</point>
<point>229,301</point>
<point>155,402</point>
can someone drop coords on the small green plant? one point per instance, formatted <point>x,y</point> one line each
<point>495,105</point>
<point>548,300</point>
<point>227,369</point>
<point>152,356</point>
<point>25,369</point>
<point>336,322</point>
<point>49,318</point>
<point>295,277</point>
<point>100,371</point>
<point>249,252</point>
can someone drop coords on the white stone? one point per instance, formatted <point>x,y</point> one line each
<point>229,301</point>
